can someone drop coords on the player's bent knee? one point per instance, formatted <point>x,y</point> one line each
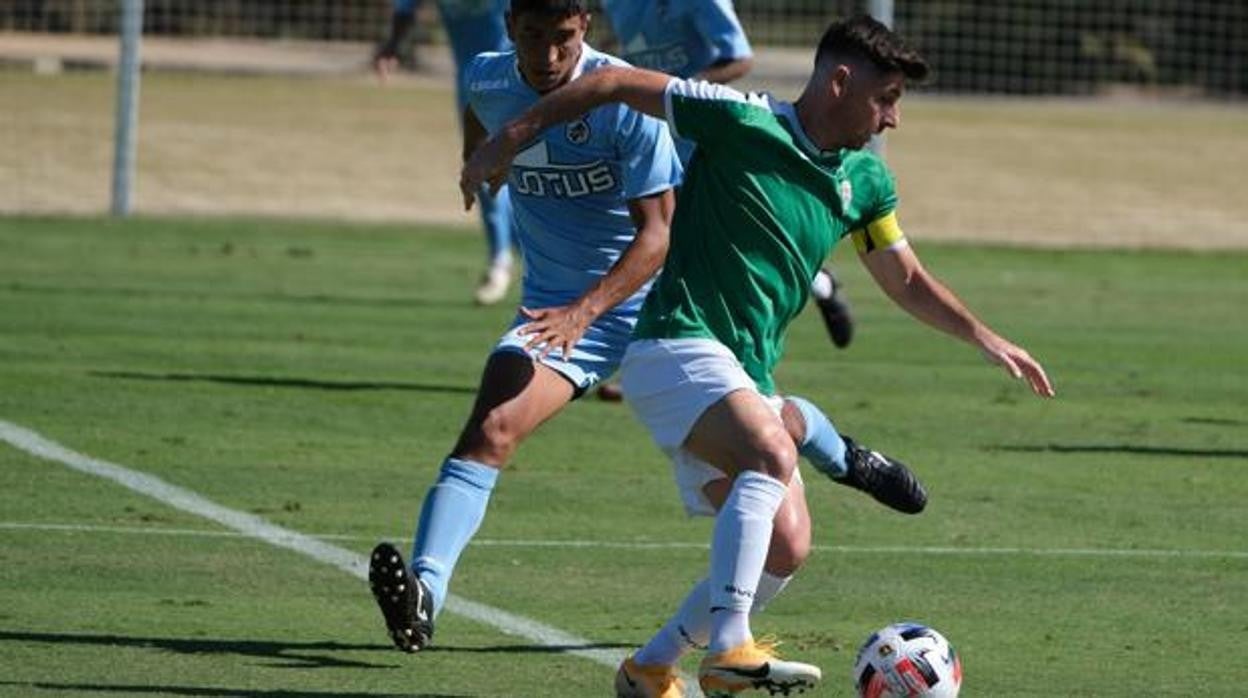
<point>492,440</point>
<point>794,421</point>
<point>790,547</point>
<point>778,458</point>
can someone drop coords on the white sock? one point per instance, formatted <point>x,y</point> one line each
<point>769,587</point>
<point>739,545</point>
<point>685,631</point>
<point>821,286</point>
<point>690,628</point>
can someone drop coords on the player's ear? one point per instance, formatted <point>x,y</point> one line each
<point>838,81</point>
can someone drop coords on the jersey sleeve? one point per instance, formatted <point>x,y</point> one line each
<point>718,22</point>
<point>484,89</point>
<point>706,112</point>
<point>879,229</point>
<point>648,159</point>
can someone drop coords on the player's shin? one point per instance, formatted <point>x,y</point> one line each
<point>738,551</point>
<point>451,514</point>
<point>822,444</point>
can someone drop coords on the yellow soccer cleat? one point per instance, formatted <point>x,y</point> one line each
<point>754,666</point>
<point>635,680</point>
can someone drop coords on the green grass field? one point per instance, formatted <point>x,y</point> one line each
<point>315,374</point>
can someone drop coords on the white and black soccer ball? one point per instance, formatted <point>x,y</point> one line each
<point>907,660</point>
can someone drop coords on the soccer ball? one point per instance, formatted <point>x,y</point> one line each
<point>907,660</point>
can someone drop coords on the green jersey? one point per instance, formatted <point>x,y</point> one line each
<point>760,209</point>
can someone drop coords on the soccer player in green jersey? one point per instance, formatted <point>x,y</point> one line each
<point>774,186</point>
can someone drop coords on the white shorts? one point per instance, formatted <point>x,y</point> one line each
<point>669,383</point>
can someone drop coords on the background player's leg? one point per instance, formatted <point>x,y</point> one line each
<point>496,220</point>
<point>470,36</point>
<point>829,296</point>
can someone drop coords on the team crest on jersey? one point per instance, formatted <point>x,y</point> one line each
<point>847,195</point>
<point>578,132</point>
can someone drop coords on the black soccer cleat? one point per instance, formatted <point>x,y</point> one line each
<point>403,598</point>
<point>835,311</point>
<point>887,480</point>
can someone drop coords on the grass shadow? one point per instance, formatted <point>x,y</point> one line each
<point>530,649</point>
<point>1127,448</point>
<point>280,382</point>
<point>287,652</point>
<point>28,687</point>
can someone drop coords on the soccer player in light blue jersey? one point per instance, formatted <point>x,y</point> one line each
<point>592,201</point>
<point>472,26</point>
<point>704,40</point>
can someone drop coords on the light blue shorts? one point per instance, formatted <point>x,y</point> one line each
<point>593,359</point>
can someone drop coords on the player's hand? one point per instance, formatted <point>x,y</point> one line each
<point>559,327</point>
<point>487,167</point>
<point>1018,363</point>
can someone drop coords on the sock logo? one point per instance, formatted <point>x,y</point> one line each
<point>743,593</point>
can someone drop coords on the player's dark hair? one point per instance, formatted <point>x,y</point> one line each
<point>549,8</point>
<point>865,38</point>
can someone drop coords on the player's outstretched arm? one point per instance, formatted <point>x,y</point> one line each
<point>899,273</point>
<point>640,89</point>
<point>561,327</point>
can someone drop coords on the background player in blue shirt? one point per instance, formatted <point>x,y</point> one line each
<point>592,201</point>
<point>472,26</point>
<point>703,39</point>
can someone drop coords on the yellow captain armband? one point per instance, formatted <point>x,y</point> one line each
<point>880,234</point>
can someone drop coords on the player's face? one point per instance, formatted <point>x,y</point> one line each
<point>547,48</point>
<point>873,104</point>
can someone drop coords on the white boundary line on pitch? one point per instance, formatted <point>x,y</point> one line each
<point>676,545</point>
<point>252,526</point>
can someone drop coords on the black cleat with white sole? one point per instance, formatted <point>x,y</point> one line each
<point>887,480</point>
<point>834,308</point>
<point>403,598</point>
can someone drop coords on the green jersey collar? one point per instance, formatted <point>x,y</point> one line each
<point>788,113</point>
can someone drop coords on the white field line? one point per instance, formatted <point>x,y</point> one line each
<point>252,526</point>
<point>671,545</point>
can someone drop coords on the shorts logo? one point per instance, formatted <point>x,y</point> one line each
<point>578,132</point>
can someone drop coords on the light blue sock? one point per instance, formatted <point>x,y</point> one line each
<point>496,218</point>
<point>824,447</point>
<point>450,516</point>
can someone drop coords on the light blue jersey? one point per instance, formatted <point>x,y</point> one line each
<point>570,189</point>
<point>676,37</point>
